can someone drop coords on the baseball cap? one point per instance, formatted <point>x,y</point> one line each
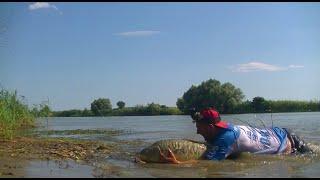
<point>212,116</point>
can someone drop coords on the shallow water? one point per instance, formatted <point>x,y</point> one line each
<point>136,132</point>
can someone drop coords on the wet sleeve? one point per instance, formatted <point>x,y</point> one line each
<point>221,147</point>
<point>282,135</point>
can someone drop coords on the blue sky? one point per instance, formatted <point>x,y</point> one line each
<point>73,53</point>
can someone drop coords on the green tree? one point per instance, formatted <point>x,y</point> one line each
<point>101,106</point>
<point>244,107</point>
<point>180,104</point>
<point>260,105</point>
<point>153,109</point>
<point>230,97</point>
<point>121,104</point>
<point>211,93</point>
<point>45,110</point>
<point>35,111</point>
<point>86,112</point>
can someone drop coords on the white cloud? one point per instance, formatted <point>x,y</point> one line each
<point>41,5</point>
<point>137,33</point>
<point>295,66</point>
<point>259,66</point>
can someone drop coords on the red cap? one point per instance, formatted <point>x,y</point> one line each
<point>213,116</point>
<point>222,124</point>
<point>210,114</point>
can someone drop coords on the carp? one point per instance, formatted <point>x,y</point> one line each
<point>183,150</point>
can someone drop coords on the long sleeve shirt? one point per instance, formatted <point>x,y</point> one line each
<point>235,139</point>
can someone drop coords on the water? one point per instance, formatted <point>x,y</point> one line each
<point>148,128</point>
<point>137,132</point>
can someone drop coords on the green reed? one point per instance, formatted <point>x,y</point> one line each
<point>14,114</point>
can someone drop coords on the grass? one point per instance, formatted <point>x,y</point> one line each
<point>14,114</point>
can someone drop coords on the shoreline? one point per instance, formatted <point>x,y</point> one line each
<point>17,154</point>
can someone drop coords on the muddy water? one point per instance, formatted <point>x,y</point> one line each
<point>134,133</point>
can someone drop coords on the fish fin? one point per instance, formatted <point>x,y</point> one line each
<point>168,159</point>
<point>138,160</point>
<point>200,142</point>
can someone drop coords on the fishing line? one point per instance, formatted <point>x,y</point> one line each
<point>244,122</point>
<point>260,121</point>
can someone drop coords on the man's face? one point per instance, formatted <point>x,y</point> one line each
<point>204,130</point>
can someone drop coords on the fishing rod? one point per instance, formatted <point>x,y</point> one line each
<point>270,110</point>
<point>271,119</point>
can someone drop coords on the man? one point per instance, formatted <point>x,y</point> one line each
<point>226,140</point>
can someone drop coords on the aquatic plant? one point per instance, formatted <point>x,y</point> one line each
<point>14,114</point>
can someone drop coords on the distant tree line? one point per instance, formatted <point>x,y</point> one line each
<point>103,107</point>
<point>226,98</point>
<point>260,105</point>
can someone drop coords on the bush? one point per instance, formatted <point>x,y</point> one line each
<point>14,115</point>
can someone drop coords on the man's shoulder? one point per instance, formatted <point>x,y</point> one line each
<point>230,132</point>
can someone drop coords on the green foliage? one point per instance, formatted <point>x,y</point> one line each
<point>14,114</point>
<point>73,113</point>
<point>211,93</point>
<point>45,111</point>
<point>170,111</point>
<point>86,113</point>
<point>42,111</point>
<point>149,110</point>
<point>121,104</point>
<point>244,107</point>
<point>153,109</point>
<point>138,110</point>
<point>259,105</point>
<point>156,109</point>
<point>101,107</point>
<point>294,106</point>
<point>69,113</point>
<point>181,105</point>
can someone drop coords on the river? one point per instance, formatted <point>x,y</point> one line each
<point>137,132</point>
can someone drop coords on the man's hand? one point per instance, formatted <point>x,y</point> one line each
<point>170,159</point>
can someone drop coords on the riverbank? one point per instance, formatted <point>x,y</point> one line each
<point>16,152</point>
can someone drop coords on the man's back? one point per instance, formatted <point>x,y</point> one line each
<point>265,140</point>
<point>235,139</point>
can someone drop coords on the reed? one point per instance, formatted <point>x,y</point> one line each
<point>14,114</point>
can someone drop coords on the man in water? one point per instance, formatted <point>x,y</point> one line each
<point>227,140</point>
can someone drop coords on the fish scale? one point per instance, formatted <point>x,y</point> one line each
<point>183,150</point>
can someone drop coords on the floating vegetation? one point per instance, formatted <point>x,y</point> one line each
<point>109,132</point>
<point>51,148</point>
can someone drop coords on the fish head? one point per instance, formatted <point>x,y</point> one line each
<point>150,154</point>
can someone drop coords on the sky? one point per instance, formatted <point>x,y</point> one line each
<point>139,53</point>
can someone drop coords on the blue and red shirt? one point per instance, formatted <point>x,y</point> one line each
<point>233,139</point>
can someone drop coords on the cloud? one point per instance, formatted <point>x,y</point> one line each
<point>259,66</point>
<point>41,5</point>
<point>296,66</point>
<point>137,33</point>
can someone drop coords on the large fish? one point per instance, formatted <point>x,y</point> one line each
<point>183,150</point>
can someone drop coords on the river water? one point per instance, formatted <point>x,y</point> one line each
<point>137,132</point>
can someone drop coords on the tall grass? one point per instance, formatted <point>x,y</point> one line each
<point>14,114</point>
